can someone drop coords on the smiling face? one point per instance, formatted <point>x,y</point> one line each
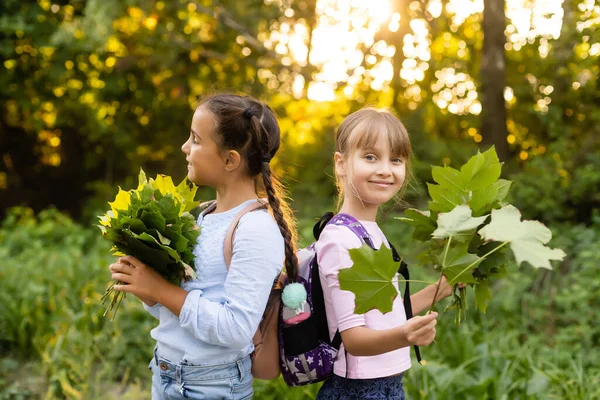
<point>372,158</point>
<point>374,175</point>
<point>206,165</point>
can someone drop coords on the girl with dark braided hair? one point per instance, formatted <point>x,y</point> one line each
<point>204,338</point>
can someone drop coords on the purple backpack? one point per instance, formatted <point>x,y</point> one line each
<point>306,351</point>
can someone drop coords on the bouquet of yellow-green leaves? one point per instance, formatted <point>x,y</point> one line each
<point>153,223</point>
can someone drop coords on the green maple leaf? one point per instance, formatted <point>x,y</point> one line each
<point>494,264</point>
<point>458,224</point>
<point>503,187</point>
<point>128,242</point>
<point>153,220</point>
<point>142,180</point>
<point>146,194</point>
<point>187,190</point>
<point>482,170</point>
<point>449,178</point>
<point>160,238</point>
<point>483,294</point>
<point>444,199</point>
<point>422,222</point>
<point>459,264</point>
<point>188,257</point>
<point>189,230</point>
<point>476,184</point>
<point>178,242</point>
<point>168,208</point>
<point>370,279</point>
<point>526,239</point>
<point>485,199</point>
<point>136,225</point>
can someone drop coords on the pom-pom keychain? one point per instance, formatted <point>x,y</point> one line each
<point>295,306</point>
<point>294,296</point>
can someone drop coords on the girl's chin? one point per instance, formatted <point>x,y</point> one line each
<point>191,177</point>
<point>194,179</point>
<point>365,202</point>
<point>377,201</point>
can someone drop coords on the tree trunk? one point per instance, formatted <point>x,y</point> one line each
<point>493,78</point>
<point>397,40</point>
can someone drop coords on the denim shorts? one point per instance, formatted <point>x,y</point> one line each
<point>338,388</point>
<point>170,381</point>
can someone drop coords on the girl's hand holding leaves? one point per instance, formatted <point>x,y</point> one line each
<point>420,330</point>
<point>137,278</point>
<point>153,224</point>
<point>469,229</point>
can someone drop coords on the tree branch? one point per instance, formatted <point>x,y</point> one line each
<point>221,14</point>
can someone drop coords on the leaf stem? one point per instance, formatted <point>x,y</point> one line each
<point>437,289</point>
<point>416,281</point>
<point>452,282</point>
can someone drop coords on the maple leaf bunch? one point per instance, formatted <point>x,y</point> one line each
<point>153,223</point>
<point>470,235</point>
<point>470,232</point>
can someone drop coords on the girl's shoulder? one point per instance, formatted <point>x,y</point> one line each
<point>258,223</point>
<point>343,237</point>
<point>337,236</point>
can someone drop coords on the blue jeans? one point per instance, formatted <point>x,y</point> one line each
<point>338,388</point>
<point>170,381</point>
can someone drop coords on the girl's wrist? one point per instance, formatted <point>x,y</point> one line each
<point>149,302</point>
<point>401,337</point>
<point>160,290</point>
<point>443,291</point>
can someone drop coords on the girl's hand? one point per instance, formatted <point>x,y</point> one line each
<point>139,279</point>
<point>420,331</point>
<point>445,289</point>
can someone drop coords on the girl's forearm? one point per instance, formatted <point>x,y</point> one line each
<point>422,299</point>
<point>362,341</point>
<point>147,301</point>
<point>171,296</point>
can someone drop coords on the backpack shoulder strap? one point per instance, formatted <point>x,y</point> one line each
<point>320,225</point>
<point>204,208</point>
<point>230,235</point>
<point>318,301</point>
<point>354,225</point>
<point>360,231</point>
<point>403,270</point>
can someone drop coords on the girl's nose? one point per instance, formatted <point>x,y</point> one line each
<point>384,169</point>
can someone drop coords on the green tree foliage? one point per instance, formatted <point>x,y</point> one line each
<point>94,89</point>
<point>91,90</point>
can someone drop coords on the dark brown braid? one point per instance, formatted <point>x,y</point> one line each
<point>250,127</point>
<point>284,217</point>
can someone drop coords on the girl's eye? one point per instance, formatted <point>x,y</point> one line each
<point>194,139</point>
<point>396,160</point>
<point>370,157</point>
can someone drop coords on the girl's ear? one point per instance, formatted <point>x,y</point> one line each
<point>340,164</point>
<point>232,160</point>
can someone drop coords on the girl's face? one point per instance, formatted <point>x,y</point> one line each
<point>374,175</point>
<point>206,165</point>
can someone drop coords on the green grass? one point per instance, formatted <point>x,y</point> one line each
<point>538,340</point>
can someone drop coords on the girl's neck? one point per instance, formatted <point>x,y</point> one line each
<point>232,195</point>
<point>359,210</point>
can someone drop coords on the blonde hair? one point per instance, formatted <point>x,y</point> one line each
<point>361,130</point>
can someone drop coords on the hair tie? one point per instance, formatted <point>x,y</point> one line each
<point>266,159</point>
<point>247,113</point>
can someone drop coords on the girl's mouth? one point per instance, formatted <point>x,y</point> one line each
<point>382,184</point>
